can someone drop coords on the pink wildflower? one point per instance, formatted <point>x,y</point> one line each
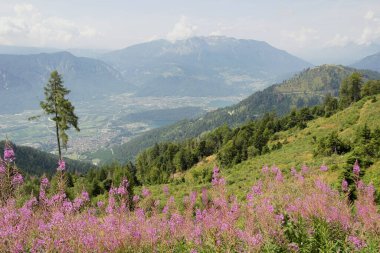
<point>293,247</point>
<point>17,179</point>
<point>9,154</point>
<point>121,190</point>
<point>280,218</point>
<point>265,170</point>
<point>85,196</point>
<point>145,192</point>
<point>323,168</point>
<point>279,176</point>
<point>136,198</point>
<point>165,189</point>
<point>165,209</point>
<point>304,169</point>
<point>344,185</point>
<point>356,168</point>
<point>125,183</point>
<point>216,178</point>
<point>270,208</point>
<point>257,188</point>
<point>275,170</point>
<point>45,182</point>
<point>61,165</point>
<point>360,185</point>
<point>357,242</point>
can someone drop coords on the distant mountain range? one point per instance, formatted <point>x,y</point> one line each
<point>79,52</point>
<point>203,66</point>
<point>22,78</point>
<point>345,55</point>
<point>199,66</point>
<point>307,88</point>
<point>371,62</point>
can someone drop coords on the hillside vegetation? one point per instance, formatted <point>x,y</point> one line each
<point>305,181</point>
<point>298,149</point>
<point>307,88</point>
<point>246,208</point>
<point>35,162</point>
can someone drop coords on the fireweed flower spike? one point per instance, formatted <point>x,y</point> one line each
<point>57,224</point>
<point>356,168</point>
<point>17,179</point>
<point>45,182</point>
<point>61,165</point>
<point>9,154</point>
<point>323,168</point>
<point>344,185</point>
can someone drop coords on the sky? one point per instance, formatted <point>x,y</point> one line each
<point>292,25</point>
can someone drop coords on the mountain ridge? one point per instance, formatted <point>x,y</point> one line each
<point>371,62</point>
<point>22,78</point>
<point>214,65</point>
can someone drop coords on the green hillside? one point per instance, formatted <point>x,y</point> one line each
<point>307,88</point>
<point>298,148</point>
<point>36,162</point>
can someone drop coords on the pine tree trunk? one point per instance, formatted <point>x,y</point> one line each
<point>58,140</point>
<point>56,123</point>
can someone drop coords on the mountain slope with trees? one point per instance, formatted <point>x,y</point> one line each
<point>355,127</point>
<point>35,162</point>
<point>307,88</point>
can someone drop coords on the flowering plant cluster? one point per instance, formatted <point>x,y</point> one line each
<point>10,178</point>
<point>287,212</point>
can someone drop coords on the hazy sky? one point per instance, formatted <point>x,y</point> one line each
<point>293,25</point>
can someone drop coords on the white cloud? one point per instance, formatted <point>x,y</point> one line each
<point>369,35</point>
<point>338,40</point>
<point>216,33</point>
<point>182,30</point>
<point>302,36</point>
<point>371,31</point>
<point>28,26</point>
<point>369,15</point>
<point>24,8</point>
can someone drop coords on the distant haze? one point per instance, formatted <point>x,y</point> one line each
<point>320,31</point>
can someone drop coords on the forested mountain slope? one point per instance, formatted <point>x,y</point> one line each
<point>35,162</point>
<point>307,88</point>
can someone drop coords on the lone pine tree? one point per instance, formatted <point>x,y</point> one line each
<point>60,108</point>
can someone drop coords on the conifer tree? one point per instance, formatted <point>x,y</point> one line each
<point>60,108</point>
<point>350,89</point>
